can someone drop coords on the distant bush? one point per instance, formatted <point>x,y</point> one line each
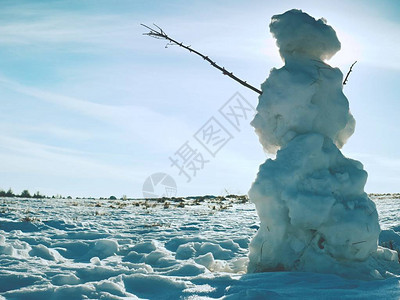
<point>112,198</point>
<point>38,196</point>
<point>9,193</point>
<point>25,194</point>
<point>30,219</point>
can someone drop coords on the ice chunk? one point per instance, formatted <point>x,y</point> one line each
<point>104,248</point>
<point>45,253</point>
<point>62,279</point>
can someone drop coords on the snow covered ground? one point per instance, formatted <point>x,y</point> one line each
<point>112,249</point>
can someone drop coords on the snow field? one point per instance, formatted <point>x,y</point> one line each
<point>98,249</point>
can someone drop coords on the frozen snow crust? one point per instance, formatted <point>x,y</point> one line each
<point>111,249</point>
<point>314,213</point>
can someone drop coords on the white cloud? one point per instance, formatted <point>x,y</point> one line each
<point>19,155</point>
<point>141,123</point>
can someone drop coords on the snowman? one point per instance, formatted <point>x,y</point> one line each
<point>314,213</point>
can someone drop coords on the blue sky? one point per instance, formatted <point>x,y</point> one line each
<point>91,107</point>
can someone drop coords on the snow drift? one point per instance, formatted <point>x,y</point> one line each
<point>314,213</point>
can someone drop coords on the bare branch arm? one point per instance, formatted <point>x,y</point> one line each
<point>158,33</point>
<point>348,73</point>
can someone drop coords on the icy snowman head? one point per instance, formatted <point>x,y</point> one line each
<point>305,95</point>
<point>297,33</point>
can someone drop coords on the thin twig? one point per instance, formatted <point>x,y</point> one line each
<point>158,33</point>
<point>348,73</point>
<point>355,243</point>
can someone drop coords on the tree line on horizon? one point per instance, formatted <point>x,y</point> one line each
<point>24,194</point>
<point>38,195</point>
